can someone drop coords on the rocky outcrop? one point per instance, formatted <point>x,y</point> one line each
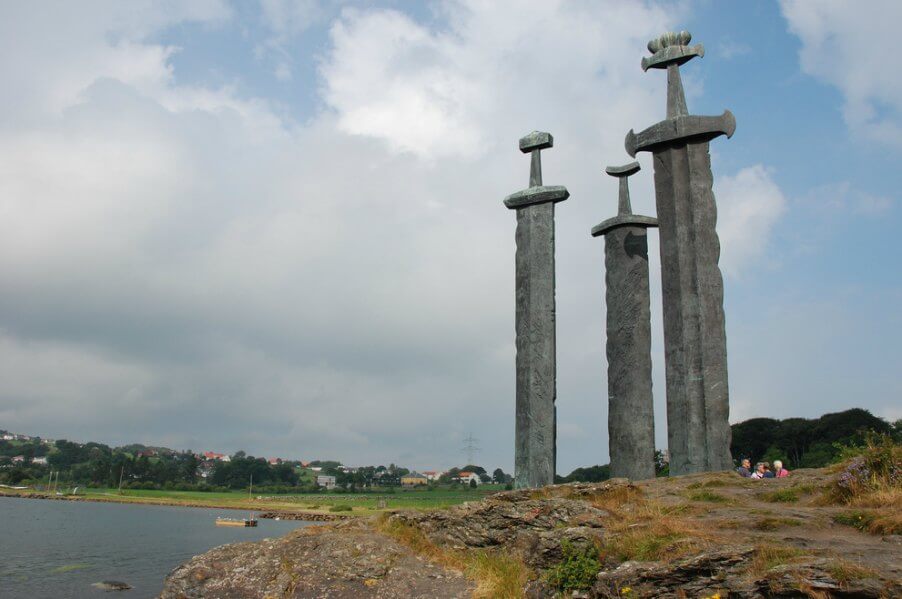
<point>341,561</point>
<point>724,573</point>
<point>717,535</point>
<point>304,516</point>
<point>517,522</point>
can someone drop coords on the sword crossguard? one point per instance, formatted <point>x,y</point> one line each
<point>676,129</point>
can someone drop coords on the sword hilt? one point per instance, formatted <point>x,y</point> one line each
<point>536,193</point>
<point>623,173</point>
<point>669,51</point>
<point>625,216</point>
<point>534,143</point>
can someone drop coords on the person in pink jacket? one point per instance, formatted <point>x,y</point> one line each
<point>779,470</point>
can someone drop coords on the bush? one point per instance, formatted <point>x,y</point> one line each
<point>577,570</point>
<point>340,508</point>
<point>874,468</point>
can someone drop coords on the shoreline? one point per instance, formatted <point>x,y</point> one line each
<point>265,512</point>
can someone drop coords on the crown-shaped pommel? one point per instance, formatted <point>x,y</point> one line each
<point>671,48</point>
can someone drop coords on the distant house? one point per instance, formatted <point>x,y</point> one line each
<point>41,461</point>
<point>466,477</point>
<point>316,468</point>
<point>9,437</point>
<point>325,481</point>
<point>433,475</point>
<point>212,455</point>
<point>275,461</point>
<point>18,459</point>
<point>413,479</point>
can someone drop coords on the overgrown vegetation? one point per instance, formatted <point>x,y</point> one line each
<point>496,574</point>
<point>872,473</point>
<point>577,569</point>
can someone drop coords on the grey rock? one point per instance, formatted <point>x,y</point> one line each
<point>532,528</point>
<point>535,434</point>
<point>112,585</point>
<point>346,561</point>
<point>692,285</point>
<point>631,428</point>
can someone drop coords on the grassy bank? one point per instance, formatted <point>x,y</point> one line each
<point>360,504</point>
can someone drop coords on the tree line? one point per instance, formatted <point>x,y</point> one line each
<point>797,442</point>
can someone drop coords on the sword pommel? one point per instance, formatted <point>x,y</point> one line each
<point>671,48</point>
<point>623,171</point>
<point>537,140</point>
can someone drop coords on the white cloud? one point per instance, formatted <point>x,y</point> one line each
<point>749,204</point>
<point>441,91</point>
<point>338,289</point>
<point>851,45</point>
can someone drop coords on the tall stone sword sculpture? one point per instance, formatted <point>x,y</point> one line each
<point>695,343</point>
<point>631,418</point>
<point>535,451</point>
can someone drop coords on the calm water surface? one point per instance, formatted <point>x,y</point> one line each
<point>59,548</point>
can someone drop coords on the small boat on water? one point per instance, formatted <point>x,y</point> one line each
<point>250,521</point>
<point>236,522</point>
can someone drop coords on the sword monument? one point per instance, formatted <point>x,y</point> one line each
<point>631,418</point>
<point>695,343</point>
<point>536,426</point>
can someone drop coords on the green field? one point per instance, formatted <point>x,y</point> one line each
<point>360,503</point>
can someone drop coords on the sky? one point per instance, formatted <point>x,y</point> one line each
<point>277,226</point>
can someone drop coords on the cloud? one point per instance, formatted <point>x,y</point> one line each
<point>844,199</point>
<point>848,47</point>
<point>439,91</point>
<point>183,265</point>
<point>749,204</point>
<point>285,20</point>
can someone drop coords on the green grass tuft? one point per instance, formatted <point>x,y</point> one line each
<point>577,570</point>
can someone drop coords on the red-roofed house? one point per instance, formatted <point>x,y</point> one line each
<point>466,477</point>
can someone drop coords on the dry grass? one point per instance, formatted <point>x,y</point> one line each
<point>877,522</point>
<point>769,556</point>
<point>708,484</point>
<point>618,500</point>
<point>771,524</point>
<point>888,498</point>
<point>709,496</point>
<point>496,574</point>
<point>788,495</point>
<point>845,572</point>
